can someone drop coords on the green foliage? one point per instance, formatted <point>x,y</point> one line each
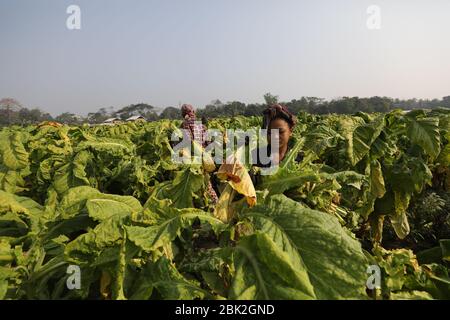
<point>298,245</point>
<point>110,200</point>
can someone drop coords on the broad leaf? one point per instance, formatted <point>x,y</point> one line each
<point>425,133</point>
<point>99,205</point>
<point>317,241</point>
<point>288,175</point>
<point>171,285</point>
<point>265,271</point>
<point>154,237</point>
<point>183,189</point>
<point>361,139</point>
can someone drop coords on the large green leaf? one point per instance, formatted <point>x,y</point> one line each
<point>399,220</point>
<point>265,271</point>
<point>288,175</point>
<point>12,150</point>
<point>108,145</point>
<point>321,138</point>
<point>165,278</point>
<point>101,209</point>
<point>316,240</point>
<point>183,189</point>
<point>99,205</point>
<point>377,185</point>
<point>214,259</point>
<point>18,209</point>
<point>86,247</point>
<point>154,237</point>
<point>12,181</point>
<point>72,174</point>
<point>376,188</point>
<point>361,139</point>
<point>14,162</point>
<point>425,133</point>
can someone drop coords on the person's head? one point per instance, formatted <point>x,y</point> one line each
<point>279,117</point>
<point>187,111</point>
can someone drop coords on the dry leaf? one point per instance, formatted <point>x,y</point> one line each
<point>224,209</point>
<point>236,174</point>
<point>50,123</point>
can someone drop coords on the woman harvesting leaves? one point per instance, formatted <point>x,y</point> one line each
<point>197,131</point>
<point>276,117</point>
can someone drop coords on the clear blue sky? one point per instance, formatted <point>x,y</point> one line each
<point>168,51</point>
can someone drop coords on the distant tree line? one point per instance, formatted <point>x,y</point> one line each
<point>12,112</point>
<point>345,105</point>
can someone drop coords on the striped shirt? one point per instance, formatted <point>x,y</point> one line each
<point>197,130</point>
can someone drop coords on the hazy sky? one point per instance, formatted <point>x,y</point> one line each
<point>168,51</point>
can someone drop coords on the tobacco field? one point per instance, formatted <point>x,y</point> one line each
<point>371,192</point>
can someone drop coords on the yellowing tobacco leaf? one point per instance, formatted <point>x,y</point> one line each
<point>239,179</point>
<point>50,123</point>
<point>207,161</point>
<point>224,210</point>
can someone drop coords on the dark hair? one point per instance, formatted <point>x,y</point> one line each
<point>278,111</point>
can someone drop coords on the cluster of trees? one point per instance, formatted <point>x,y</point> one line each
<point>12,112</point>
